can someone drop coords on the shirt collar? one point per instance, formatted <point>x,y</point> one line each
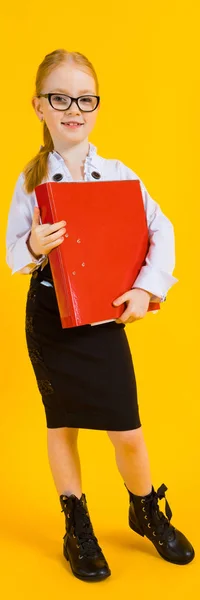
<point>92,162</point>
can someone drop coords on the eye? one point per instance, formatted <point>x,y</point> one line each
<point>59,98</point>
<point>86,100</point>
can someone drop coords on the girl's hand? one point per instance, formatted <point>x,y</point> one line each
<point>42,238</point>
<point>138,303</point>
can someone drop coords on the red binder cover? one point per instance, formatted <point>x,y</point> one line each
<point>105,248</point>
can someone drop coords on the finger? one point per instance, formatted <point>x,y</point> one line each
<point>36,216</point>
<point>121,299</point>
<point>127,314</point>
<point>130,320</point>
<point>51,245</point>
<point>55,226</point>
<point>48,237</point>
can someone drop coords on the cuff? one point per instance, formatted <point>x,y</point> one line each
<point>155,281</point>
<point>23,258</point>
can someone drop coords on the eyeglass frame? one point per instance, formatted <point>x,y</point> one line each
<point>71,98</point>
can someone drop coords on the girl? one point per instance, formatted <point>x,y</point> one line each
<point>85,374</point>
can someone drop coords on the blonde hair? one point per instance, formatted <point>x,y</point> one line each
<point>37,168</point>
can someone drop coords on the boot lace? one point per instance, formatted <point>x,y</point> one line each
<point>83,530</point>
<point>162,522</point>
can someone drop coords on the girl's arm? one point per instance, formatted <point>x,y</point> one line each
<point>18,256</point>
<point>155,275</point>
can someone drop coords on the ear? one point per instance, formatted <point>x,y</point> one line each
<point>37,107</point>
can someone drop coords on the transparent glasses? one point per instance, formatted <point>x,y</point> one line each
<point>63,102</point>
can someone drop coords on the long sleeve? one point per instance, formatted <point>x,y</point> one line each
<point>19,224</point>
<point>155,275</point>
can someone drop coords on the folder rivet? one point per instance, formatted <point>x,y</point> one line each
<point>73,272</point>
<point>83,264</point>
<point>78,241</point>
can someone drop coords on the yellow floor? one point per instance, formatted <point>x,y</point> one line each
<point>32,526</point>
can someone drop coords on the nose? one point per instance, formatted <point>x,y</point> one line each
<point>73,108</point>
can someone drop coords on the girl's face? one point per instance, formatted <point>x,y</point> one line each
<point>69,80</point>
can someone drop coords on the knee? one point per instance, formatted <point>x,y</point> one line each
<point>128,441</point>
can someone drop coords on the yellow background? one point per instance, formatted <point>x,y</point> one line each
<point>146,55</point>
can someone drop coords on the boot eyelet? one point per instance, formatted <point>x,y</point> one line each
<point>77,546</point>
<point>144,509</point>
<point>80,556</point>
<point>68,515</point>
<point>74,535</point>
<point>142,500</point>
<point>161,543</point>
<point>149,525</point>
<point>146,517</point>
<point>154,533</point>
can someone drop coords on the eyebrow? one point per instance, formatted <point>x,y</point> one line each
<point>64,92</point>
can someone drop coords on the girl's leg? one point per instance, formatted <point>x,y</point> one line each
<point>64,460</point>
<point>132,460</point>
<point>79,541</point>
<point>145,517</point>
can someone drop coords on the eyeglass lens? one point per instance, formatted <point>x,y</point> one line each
<point>62,102</point>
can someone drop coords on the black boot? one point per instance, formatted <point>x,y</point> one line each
<point>80,546</point>
<point>145,518</point>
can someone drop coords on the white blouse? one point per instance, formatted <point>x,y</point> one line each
<point>155,275</point>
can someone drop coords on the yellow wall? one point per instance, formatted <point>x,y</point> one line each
<point>147,58</point>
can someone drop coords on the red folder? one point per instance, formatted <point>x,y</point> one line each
<point>105,248</point>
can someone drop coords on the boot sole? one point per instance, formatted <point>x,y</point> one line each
<point>86,577</point>
<point>175,562</point>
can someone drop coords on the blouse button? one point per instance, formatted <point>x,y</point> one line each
<point>96,175</point>
<point>57,177</point>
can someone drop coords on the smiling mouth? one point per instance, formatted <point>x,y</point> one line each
<point>73,124</point>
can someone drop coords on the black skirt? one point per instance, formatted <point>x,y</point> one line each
<point>85,374</point>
